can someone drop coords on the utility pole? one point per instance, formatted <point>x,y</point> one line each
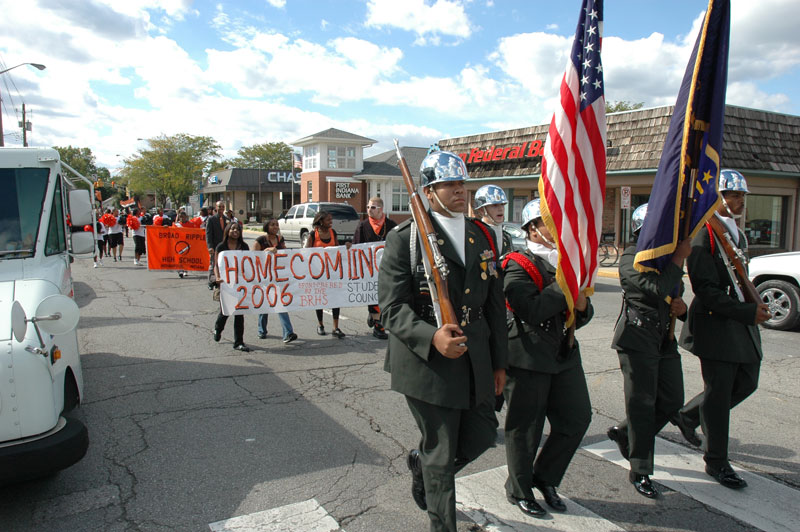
<point>26,126</point>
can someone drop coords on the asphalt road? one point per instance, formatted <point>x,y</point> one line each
<point>186,432</point>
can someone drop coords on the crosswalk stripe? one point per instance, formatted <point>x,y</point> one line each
<point>306,516</point>
<point>482,497</point>
<point>764,504</point>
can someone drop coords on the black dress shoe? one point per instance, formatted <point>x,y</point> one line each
<point>727,477</point>
<point>689,433</point>
<point>417,483</point>
<point>217,335</point>
<point>551,498</point>
<point>620,437</point>
<point>262,336</point>
<point>528,506</point>
<point>643,485</point>
<point>242,347</point>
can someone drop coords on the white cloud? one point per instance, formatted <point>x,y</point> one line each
<point>428,22</point>
<point>277,3</point>
<point>551,27</point>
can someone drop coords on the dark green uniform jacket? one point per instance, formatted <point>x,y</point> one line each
<point>643,323</point>
<point>719,326</point>
<point>417,369</point>
<point>536,333</point>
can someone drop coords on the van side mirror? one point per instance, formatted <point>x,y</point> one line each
<point>80,207</point>
<point>82,242</point>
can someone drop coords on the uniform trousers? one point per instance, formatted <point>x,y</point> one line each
<point>653,396</point>
<point>726,384</point>
<point>451,438</point>
<point>561,398</point>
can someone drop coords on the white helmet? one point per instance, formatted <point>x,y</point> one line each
<point>637,218</point>
<point>732,181</point>
<point>490,195</point>
<point>439,166</point>
<point>530,212</point>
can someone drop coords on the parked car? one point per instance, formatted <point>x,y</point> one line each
<point>296,223</point>
<point>777,279</point>
<point>518,236</point>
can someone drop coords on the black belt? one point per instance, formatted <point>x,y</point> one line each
<point>468,315</point>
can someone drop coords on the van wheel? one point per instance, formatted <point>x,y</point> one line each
<point>783,300</point>
<point>71,395</point>
<point>303,237</point>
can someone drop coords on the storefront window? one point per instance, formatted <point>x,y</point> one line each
<point>764,221</point>
<point>399,197</point>
<point>310,189</point>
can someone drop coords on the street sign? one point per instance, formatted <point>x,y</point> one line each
<point>625,197</point>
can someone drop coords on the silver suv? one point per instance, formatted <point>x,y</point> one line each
<point>296,223</point>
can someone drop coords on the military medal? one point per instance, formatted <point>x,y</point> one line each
<point>487,254</point>
<point>483,273</point>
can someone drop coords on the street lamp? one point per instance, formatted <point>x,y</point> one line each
<point>35,65</point>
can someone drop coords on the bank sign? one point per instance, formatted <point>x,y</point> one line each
<point>526,150</point>
<point>282,177</point>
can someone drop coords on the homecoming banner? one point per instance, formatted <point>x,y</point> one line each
<point>258,282</point>
<point>176,248</point>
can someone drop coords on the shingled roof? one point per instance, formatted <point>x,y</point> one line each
<point>385,164</point>
<point>334,134</point>
<point>754,140</point>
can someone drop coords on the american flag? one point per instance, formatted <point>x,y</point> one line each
<point>298,161</point>
<point>573,182</point>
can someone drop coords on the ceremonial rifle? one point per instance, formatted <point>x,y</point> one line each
<point>734,260</point>
<point>435,266</point>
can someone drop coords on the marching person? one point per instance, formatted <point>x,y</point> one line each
<point>271,242</point>
<point>215,226</point>
<point>100,236</point>
<point>322,235</point>
<point>232,240</point>
<point>182,221</point>
<point>374,229</point>
<point>490,206</point>
<point>545,379</point>
<point>115,236</point>
<point>722,330</point>
<point>449,374</point>
<point>648,358</point>
<point>138,239</point>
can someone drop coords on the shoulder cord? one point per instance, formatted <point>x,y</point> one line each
<point>482,226</point>
<point>412,248</point>
<point>528,266</point>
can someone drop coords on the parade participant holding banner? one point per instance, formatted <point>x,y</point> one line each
<point>545,376</point>
<point>231,240</point>
<point>374,229</point>
<point>447,348</point>
<point>271,242</point>
<point>722,326</point>
<point>215,225</point>
<point>322,236</point>
<point>648,358</point>
<point>490,206</point>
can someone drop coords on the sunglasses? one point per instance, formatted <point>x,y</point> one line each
<point>370,207</point>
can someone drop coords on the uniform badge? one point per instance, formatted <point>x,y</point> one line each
<point>492,269</point>
<point>471,240</point>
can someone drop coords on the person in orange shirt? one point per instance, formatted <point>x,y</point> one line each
<point>323,236</point>
<point>374,229</point>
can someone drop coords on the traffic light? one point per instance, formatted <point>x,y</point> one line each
<point>112,184</point>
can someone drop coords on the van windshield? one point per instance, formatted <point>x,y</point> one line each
<point>24,190</point>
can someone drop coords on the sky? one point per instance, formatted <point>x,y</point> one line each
<point>247,72</point>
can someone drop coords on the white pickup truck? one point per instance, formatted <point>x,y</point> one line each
<point>40,368</point>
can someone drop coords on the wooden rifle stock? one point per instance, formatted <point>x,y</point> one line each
<point>749,291</point>
<point>445,313</point>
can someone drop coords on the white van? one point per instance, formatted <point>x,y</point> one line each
<point>40,368</point>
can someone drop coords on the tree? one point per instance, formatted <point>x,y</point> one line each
<point>268,155</point>
<point>83,160</point>
<point>615,107</point>
<point>170,166</point>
